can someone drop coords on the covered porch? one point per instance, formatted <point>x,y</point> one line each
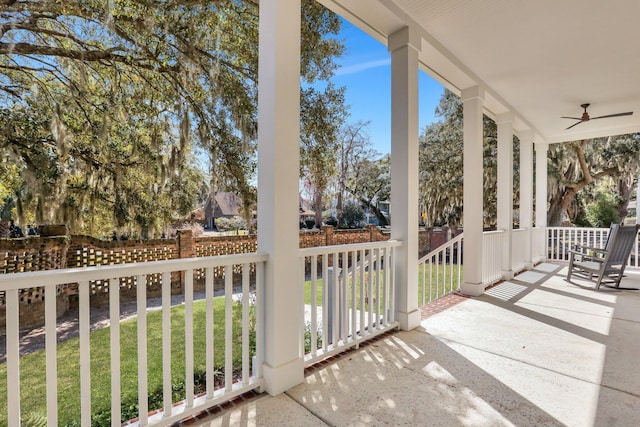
<point>532,351</point>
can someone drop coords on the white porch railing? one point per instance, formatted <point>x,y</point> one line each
<point>12,284</point>
<point>538,244</point>
<point>519,244</point>
<point>561,239</point>
<point>491,259</point>
<point>440,271</point>
<point>348,296</point>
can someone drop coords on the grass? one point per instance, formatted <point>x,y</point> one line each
<point>32,366</point>
<point>308,292</point>
<point>423,282</point>
<point>439,272</point>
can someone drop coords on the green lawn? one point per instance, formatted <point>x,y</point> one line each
<point>443,271</point>
<point>308,292</point>
<point>436,277</point>
<point>32,367</point>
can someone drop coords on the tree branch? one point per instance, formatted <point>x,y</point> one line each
<point>88,56</point>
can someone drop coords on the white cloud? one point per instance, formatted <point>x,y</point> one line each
<point>356,68</point>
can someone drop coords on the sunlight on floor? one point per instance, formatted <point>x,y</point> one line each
<point>506,291</point>
<point>477,411</point>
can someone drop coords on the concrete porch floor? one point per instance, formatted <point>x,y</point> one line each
<point>533,351</point>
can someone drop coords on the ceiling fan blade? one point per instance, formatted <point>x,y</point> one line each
<point>572,118</point>
<point>628,113</point>
<point>575,124</point>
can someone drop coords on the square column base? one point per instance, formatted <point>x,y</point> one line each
<point>472,289</point>
<point>408,321</point>
<point>507,274</point>
<point>281,378</point>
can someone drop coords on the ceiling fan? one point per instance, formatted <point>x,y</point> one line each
<point>585,116</point>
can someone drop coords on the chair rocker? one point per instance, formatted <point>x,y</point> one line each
<point>604,265</point>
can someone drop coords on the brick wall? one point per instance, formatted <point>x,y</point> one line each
<point>86,251</point>
<point>330,236</point>
<point>33,254</point>
<point>45,253</point>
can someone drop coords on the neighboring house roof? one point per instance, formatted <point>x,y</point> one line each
<point>222,204</point>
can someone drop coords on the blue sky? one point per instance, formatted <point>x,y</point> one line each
<point>365,70</point>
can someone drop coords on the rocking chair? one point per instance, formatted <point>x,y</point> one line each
<point>604,265</point>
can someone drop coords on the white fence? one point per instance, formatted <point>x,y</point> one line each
<point>538,244</point>
<point>440,271</point>
<point>348,296</point>
<point>491,256</point>
<point>561,239</point>
<point>237,379</point>
<point>520,247</point>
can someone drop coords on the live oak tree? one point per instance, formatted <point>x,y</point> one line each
<point>576,166</point>
<point>369,181</point>
<point>441,163</point>
<point>119,93</point>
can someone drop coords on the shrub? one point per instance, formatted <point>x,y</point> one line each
<point>196,230</point>
<point>226,224</point>
<point>352,214</point>
<point>603,212</point>
<point>331,220</point>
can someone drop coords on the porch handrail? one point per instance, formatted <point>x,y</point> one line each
<point>519,244</point>
<point>51,280</point>
<point>357,295</point>
<point>440,275</point>
<point>45,278</point>
<point>491,260</point>
<point>560,239</point>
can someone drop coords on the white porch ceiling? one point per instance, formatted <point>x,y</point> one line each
<point>540,59</point>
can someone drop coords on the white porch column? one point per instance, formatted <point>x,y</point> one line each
<point>278,173</point>
<point>541,184</point>
<point>541,195</point>
<point>526,192</point>
<point>473,212</point>
<point>638,202</point>
<point>404,46</point>
<point>504,210</point>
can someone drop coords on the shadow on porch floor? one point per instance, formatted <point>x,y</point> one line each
<point>533,351</point>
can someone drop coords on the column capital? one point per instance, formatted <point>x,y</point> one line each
<point>507,117</point>
<point>525,135</point>
<point>404,37</point>
<point>541,146</point>
<point>473,92</point>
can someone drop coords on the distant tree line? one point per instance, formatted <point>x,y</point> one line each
<point>583,176</point>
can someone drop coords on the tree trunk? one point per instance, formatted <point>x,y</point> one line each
<point>559,206</point>
<point>625,188</point>
<point>339,211</point>
<point>554,216</point>
<point>382,220</point>
<point>317,206</point>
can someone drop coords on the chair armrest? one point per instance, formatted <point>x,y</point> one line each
<point>588,248</point>
<point>583,256</point>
